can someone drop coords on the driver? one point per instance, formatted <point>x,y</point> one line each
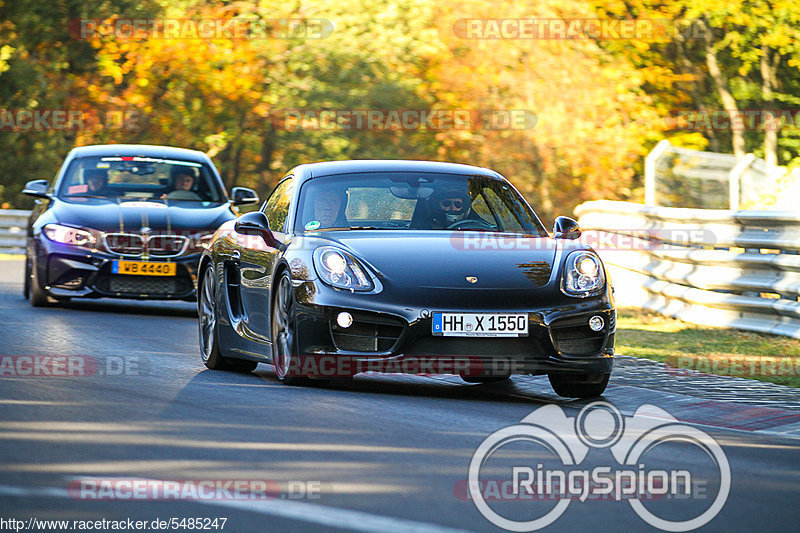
<point>96,180</point>
<point>448,206</point>
<point>182,179</point>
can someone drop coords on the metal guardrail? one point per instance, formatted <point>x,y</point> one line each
<point>12,230</point>
<point>737,269</point>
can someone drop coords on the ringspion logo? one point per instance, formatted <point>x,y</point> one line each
<point>558,445</point>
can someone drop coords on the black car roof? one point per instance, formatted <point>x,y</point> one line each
<point>328,168</point>
<point>142,150</point>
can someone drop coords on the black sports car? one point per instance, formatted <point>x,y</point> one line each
<point>125,221</point>
<point>405,266</point>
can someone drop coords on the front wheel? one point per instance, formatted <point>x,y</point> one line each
<point>207,321</point>
<point>586,386</point>
<point>284,342</point>
<point>33,292</point>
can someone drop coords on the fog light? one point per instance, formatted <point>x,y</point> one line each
<point>344,319</point>
<point>596,323</point>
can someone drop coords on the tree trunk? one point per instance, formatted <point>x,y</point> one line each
<point>769,68</point>
<point>697,92</point>
<point>267,153</point>
<point>728,101</point>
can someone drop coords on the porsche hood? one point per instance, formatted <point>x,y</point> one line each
<point>453,260</point>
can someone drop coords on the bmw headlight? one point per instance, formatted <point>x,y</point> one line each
<point>200,241</point>
<point>339,269</point>
<point>583,274</point>
<point>68,235</point>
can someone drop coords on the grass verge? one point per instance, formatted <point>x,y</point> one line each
<point>710,350</point>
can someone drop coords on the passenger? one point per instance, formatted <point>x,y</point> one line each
<point>327,209</point>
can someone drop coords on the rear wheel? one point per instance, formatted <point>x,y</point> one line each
<point>207,320</point>
<point>284,342</point>
<point>581,386</point>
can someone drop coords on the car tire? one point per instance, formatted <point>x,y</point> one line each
<point>208,328</point>
<point>33,292</point>
<point>283,327</point>
<point>26,283</point>
<point>588,387</point>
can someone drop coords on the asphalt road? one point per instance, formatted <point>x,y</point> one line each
<point>380,453</point>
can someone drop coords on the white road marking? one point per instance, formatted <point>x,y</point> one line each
<point>305,512</point>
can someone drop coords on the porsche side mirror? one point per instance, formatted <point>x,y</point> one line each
<point>243,196</point>
<point>36,188</point>
<point>566,228</point>
<point>255,223</point>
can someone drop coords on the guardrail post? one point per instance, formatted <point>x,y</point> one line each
<point>650,171</point>
<point>735,178</point>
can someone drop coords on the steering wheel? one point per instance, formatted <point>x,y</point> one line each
<point>482,224</point>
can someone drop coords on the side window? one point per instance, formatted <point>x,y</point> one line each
<point>480,207</point>
<point>501,211</point>
<point>277,206</point>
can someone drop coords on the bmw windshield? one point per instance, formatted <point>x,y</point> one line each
<point>141,178</point>
<point>410,200</point>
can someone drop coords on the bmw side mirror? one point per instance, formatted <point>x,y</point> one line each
<point>255,223</point>
<point>36,188</point>
<point>566,228</point>
<point>243,196</point>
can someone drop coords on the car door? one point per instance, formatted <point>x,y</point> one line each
<point>257,261</point>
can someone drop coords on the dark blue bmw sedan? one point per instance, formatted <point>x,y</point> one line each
<point>124,221</point>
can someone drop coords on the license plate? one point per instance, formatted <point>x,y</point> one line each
<point>144,268</point>
<point>480,324</point>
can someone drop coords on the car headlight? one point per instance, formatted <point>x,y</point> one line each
<point>200,241</point>
<point>339,269</point>
<point>205,240</point>
<point>583,274</point>
<point>67,235</point>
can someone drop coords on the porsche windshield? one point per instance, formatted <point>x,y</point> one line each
<point>406,200</point>
<point>140,178</point>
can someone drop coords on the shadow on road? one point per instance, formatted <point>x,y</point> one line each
<point>262,386</point>
<point>157,308</point>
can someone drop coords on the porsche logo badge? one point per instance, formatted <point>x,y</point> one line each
<point>472,279</point>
